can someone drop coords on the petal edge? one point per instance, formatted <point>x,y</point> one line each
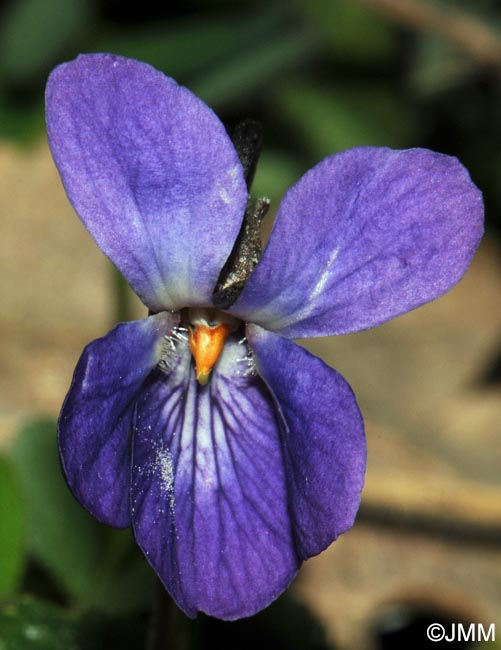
<point>152,173</point>
<point>95,420</point>
<point>323,441</point>
<point>366,235</point>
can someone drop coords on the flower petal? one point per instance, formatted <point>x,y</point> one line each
<point>324,440</point>
<point>151,172</point>
<point>209,504</point>
<point>364,236</point>
<point>96,418</point>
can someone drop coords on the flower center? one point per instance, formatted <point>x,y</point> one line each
<point>208,330</point>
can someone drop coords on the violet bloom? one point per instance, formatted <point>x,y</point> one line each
<point>230,482</point>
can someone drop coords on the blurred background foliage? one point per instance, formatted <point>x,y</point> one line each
<point>321,76</point>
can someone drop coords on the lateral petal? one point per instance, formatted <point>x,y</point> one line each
<point>323,439</point>
<point>151,172</point>
<point>95,421</point>
<point>364,236</point>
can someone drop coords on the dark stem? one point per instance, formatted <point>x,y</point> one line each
<point>247,138</point>
<point>169,628</point>
<point>244,256</point>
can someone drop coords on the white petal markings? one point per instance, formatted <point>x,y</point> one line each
<point>322,281</point>
<point>210,509</point>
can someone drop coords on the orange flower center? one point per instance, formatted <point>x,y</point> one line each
<point>208,330</point>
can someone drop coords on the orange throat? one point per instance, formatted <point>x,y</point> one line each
<point>206,345</point>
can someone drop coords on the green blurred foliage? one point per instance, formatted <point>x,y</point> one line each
<point>275,173</point>
<point>12,529</point>
<point>321,75</point>
<point>349,32</point>
<point>190,46</point>
<point>61,536</point>
<point>34,32</point>
<point>29,623</point>
<point>349,116</point>
<point>92,565</point>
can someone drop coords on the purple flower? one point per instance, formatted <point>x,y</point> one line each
<point>231,481</point>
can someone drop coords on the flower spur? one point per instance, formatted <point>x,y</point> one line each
<point>232,480</point>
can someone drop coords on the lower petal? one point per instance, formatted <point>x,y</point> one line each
<point>209,502</point>
<point>95,422</point>
<point>324,440</point>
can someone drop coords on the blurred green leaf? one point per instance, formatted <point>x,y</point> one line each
<point>12,529</point>
<point>255,69</point>
<point>36,625</point>
<point>61,535</point>
<point>275,173</point>
<point>97,632</point>
<point>124,589</point>
<point>33,624</point>
<point>337,118</point>
<point>185,47</point>
<point>94,564</point>
<point>35,32</point>
<point>350,31</point>
<point>438,67</point>
<point>21,123</point>
<point>223,60</point>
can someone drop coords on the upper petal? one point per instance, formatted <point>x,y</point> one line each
<point>209,502</point>
<point>364,236</point>
<point>96,418</point>
<point>151,172</point>
<point>323,439</point>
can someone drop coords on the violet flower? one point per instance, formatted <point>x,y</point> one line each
<point>231,481</point>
